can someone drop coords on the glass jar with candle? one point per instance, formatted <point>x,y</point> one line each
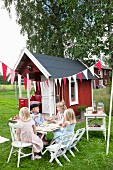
<point>100,107</point>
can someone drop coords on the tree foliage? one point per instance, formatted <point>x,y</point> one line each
<point>74,29</point>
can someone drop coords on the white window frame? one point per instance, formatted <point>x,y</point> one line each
<point>76,92</point>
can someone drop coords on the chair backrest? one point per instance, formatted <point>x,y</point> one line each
<point>13,128</point>
<point>64,142</point>
<point>77,136</point>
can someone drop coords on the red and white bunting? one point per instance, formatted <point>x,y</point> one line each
<point>92,70</point>
<point>80,76</point>
<point>85,73</point>
<point>12,75</point>
<point>98,65</point>
<point>4,69</point>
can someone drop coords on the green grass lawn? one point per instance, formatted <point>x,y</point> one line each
<point>91,155</point>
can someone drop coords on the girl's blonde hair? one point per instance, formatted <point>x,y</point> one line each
<point>69,115</point>
<point>61,105</point>
<point>24,114</point>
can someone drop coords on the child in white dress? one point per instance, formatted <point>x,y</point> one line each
<point>28,131</point>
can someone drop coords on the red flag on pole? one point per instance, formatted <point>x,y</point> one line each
<point>4,68</point>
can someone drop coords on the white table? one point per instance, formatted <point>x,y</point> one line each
<point>101,128</point>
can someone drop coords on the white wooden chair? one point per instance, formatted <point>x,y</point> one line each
<point>76,138</point>
<point>18,145</point>
<point>59,149</point>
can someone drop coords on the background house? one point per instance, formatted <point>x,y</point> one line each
<point>104,76</point>
<point>57,79</point>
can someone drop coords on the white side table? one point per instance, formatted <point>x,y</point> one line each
<point>101,128</point>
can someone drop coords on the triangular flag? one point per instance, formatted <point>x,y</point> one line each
<point>25,82</point>
<point>98,65</point>
<point>12,74</point>
<point>85,73</point>
<point>34,84</point>
<point>80,76</point>
<point>19,79</point>
<point>74,77</point>
<point>60,79</point>
<point>56,82</point>
<point>29,85</point>
<point>38,85</point>
<point>47,82</point>
<point>64,79</point>
<point>4,68</point>
<point>92,70</point>
<point>69,78</point>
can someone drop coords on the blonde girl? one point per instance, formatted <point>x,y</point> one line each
<point>28,131</point>
<point>68,124</point>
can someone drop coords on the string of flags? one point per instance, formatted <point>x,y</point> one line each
<point>28,82</point>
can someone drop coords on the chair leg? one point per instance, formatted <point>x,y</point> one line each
<point>44,152</point>
<point>72,153</point>
<point>76,148</point>
<point>58,161</point>
<point>10,154</point>
<point>66,157</point>
<point>18,157</point>
<point>32,154</point>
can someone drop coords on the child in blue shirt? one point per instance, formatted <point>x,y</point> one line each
<point>38,118</point>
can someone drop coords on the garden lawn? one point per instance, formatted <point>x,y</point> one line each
<point>91,155</point>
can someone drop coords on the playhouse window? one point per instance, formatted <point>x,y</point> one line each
<point>73,92</point>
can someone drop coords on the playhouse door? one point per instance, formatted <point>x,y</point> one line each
<point>45,97</point>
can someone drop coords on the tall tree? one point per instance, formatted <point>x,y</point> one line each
<point>75,29</point>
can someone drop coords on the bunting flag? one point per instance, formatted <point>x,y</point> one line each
<point>4,68</point>
<point>34,84</point>
<point>85,73</point>
<point>92,70</point>
<point>12,74</point>
<point>29,85</point>
<point>80,76</point>
<point>25,82</point>
<point>64,79</point>
<point>47,82</point>
<point>19,79</point>
<point>38,85</point>
<point>60,79</point>
<point>74,78</point>
<point>98,65</point>
<point>56,82</point>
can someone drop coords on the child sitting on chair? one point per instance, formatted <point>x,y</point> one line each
<point>68,125</point>
<point>28,131</point>
<point>38,118</point>
<point>60,113</point>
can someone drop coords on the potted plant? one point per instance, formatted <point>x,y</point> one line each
<point>82,110</point>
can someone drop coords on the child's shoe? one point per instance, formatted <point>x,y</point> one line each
<point>37,157</point>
